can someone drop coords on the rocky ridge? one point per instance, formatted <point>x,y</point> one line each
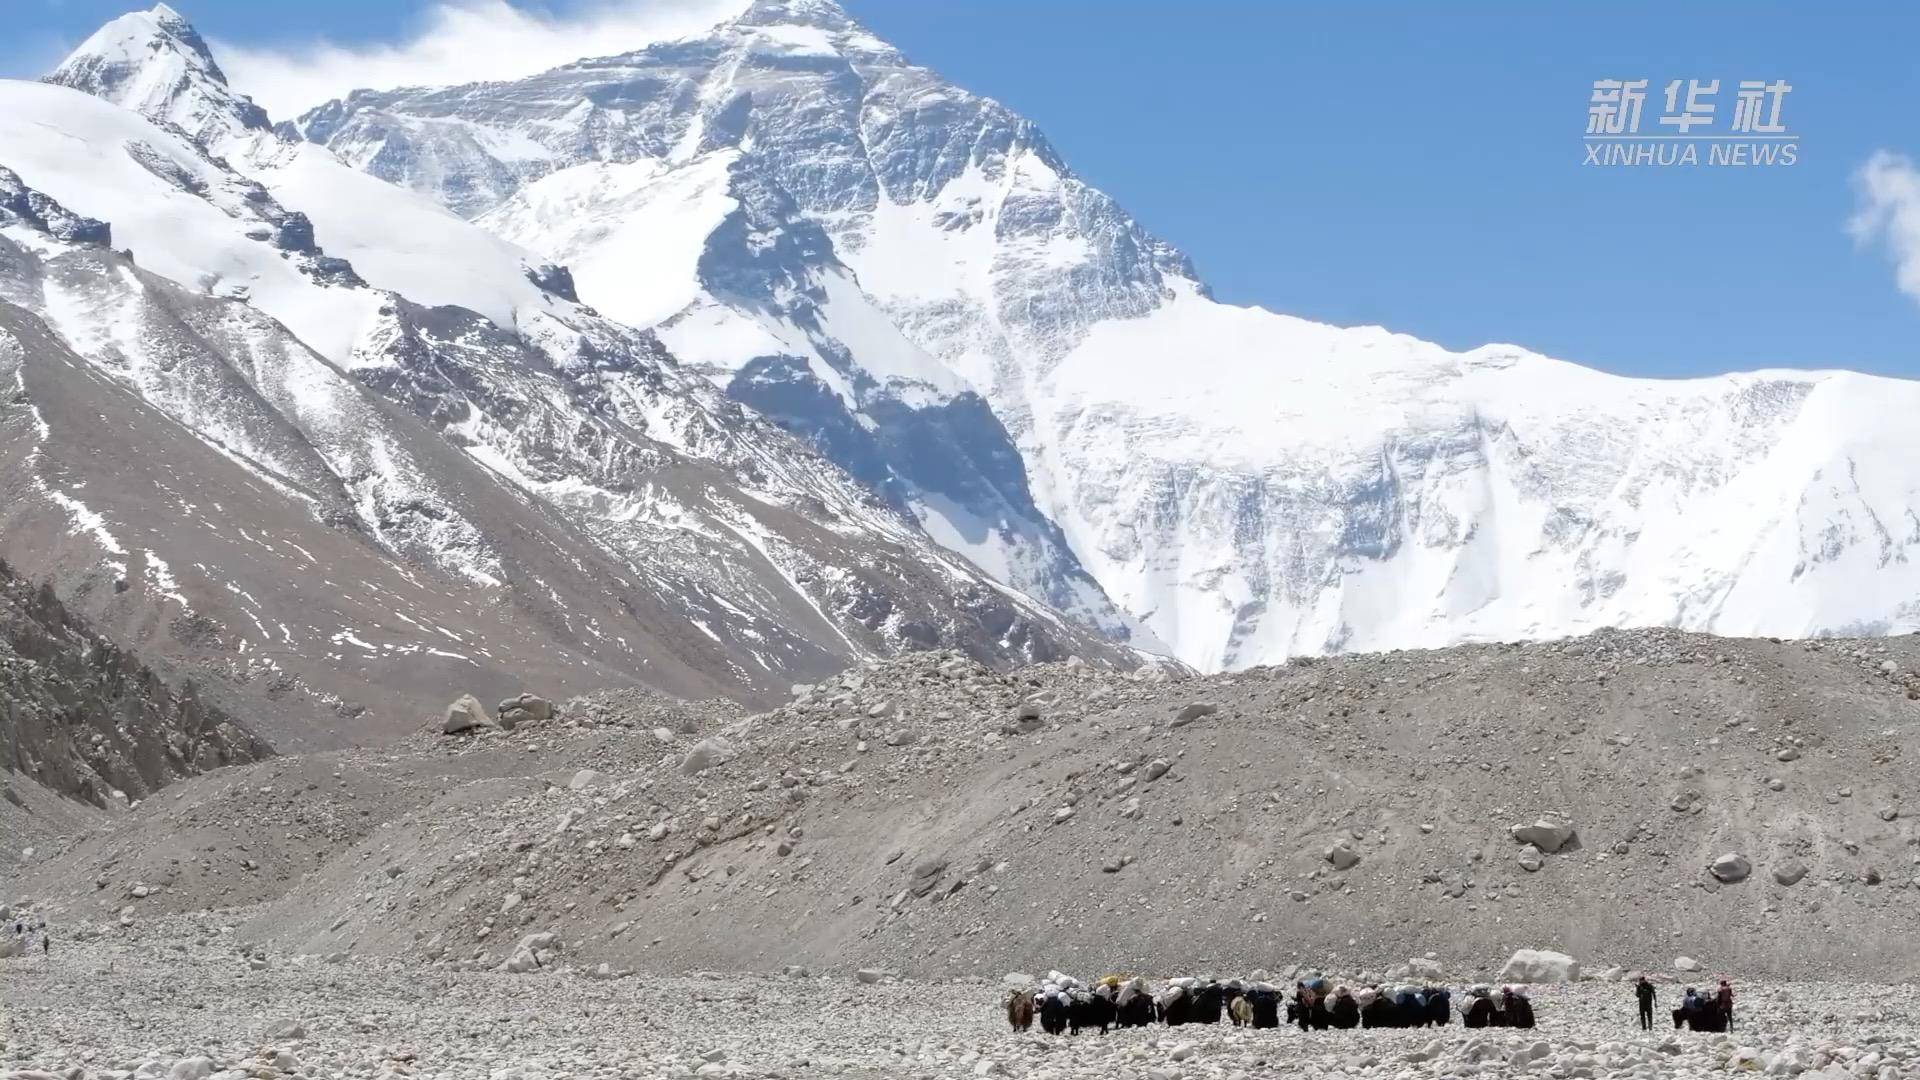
<point>86,721</point>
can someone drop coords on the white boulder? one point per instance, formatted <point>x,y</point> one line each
<point>466,713</point>
<point>1546,834</point>
<point>1540,966</point>
<point>1731,867</point>
<point>705,754</point>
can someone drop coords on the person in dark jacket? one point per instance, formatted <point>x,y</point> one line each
<point>1644,991</point>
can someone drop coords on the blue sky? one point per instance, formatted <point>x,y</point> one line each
<point>1414,165</point>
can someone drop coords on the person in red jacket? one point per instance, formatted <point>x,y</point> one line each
<point>1724,999</point>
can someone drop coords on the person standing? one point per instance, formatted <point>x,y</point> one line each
<point>1723,999</point>
<point>1643,990</point>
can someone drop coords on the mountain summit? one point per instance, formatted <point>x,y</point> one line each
<point>155,63</point>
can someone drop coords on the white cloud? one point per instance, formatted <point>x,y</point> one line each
<point>1889,213</point>
<point>461,41</point>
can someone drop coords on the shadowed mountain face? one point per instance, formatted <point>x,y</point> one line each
<point>87,720</point>
<point>830,230</point>
<point>276,423</point>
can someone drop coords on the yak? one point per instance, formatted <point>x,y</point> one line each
<point>1266,1007</point>
<point>1020,1010</point>
<point>1342,1011</point>
<point>1517,1009</point>
<point>1054,1009</point>
<point>1197,1004</point>
<point>1089,1011</point>
<point>1134,1006</point>
<point>1479,1012</point>
<point>1308,1012</point>
<point>1700,1013</point>
<point>1403,1008</point>
<point>1379,1012</point>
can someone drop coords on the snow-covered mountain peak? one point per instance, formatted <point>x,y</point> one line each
<point>155,63</point>
<point>817,27</point>
<point>820,14</point>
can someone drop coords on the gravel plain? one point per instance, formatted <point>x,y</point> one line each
<point>181,1002</point>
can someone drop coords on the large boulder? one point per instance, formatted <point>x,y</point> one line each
<point>1540,966</point>
<point>705,754</point>
<point>534,952</point>
<point>1546,834</point>
<point>193,1068</point>
<point>1687,963</point>
<point>526,708</point>
<point>12,945</point>
<point>1790,872</point>
<point>1731,867</point>
<point>1342,856</point>
<point>926,874</point>
<point>467,714</point>
<point>1194,711</point>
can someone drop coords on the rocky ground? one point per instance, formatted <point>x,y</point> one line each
<point>1747,804</point>
<point>181,1001</point>
<point>542,900</point>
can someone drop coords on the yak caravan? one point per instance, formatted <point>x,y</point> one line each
<point>1064,1005</point>
<point>672,539</point>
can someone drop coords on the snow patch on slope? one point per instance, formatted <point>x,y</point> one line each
<point>632,233</point>
<point>395,239</point>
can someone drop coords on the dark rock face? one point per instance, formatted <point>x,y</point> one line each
<point>555,279</point>
<point>42,214</point>
<point>295,234</point>
<point>86,719</point>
